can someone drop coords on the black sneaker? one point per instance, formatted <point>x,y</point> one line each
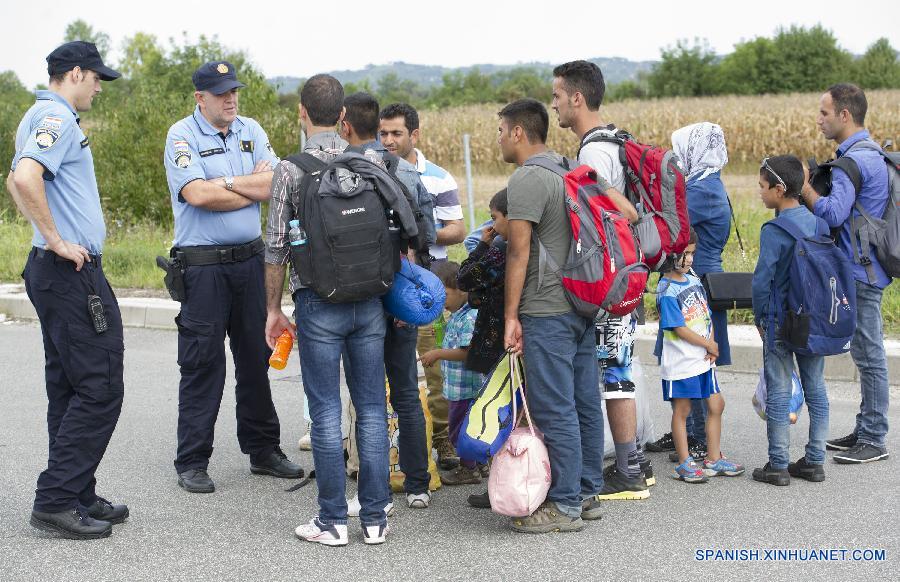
<point>696,450</point>
<point>861,453</point>
<point>196,481</point>
<point>277,465</point>
<point>73,524</point>
<point>106,511</point>
<point>803,470</point>
<point>647,471</point>
<point>481,501</point>
<point>618,486</point>
<point>767,474</point>
<point>842,444</point>
<point>663,444</point>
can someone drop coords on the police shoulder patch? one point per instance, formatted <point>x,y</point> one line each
<point>45,138</point>
<point>182,158</point>
<point>51,122</point>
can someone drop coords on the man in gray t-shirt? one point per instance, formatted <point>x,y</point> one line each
<point>536,195</point>
<point>559,348</point>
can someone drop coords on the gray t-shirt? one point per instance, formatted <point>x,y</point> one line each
<point>537,195</point>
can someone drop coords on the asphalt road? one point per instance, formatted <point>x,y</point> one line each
<point>244,531</point>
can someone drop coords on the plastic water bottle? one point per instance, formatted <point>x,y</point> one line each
<point>282,351</point>
<point>296,234</point>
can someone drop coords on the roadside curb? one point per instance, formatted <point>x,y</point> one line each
<point>746,347</point>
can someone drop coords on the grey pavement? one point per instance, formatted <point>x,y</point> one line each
<point>244,531</point>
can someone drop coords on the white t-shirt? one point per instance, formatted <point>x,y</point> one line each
<point>682,304</point>
<point>603,156</point>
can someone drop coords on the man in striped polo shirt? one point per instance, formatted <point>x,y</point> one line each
<point>399,132</point>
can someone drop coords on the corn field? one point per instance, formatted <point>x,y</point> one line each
<point>754,126</point>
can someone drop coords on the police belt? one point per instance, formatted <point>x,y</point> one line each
<point>217,254</point>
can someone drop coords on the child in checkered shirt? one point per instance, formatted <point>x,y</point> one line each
<point>461,385</point>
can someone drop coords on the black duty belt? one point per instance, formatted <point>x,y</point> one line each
<point>45,254</point>
<point>217,254</point>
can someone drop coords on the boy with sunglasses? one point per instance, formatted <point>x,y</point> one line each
<point>780,181</point>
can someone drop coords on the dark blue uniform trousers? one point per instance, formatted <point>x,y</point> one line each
<point>83,372</point>
<point>224,299</point>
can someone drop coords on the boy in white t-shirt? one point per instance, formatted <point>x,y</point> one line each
<point>687,367</point>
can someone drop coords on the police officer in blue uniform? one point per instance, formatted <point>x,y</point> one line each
<point>53,183</point>
<point>219,168</point>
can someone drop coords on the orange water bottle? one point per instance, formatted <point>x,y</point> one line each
<point>282,350</point>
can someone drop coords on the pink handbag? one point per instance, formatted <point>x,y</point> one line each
<point>520,472</point>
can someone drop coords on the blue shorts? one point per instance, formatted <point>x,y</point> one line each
<point>702,386</point>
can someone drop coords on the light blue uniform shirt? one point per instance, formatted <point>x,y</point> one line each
<point>195,150</point>
<point>50,135</point>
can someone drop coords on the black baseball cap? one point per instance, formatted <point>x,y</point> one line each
<point>79,53</point>
<point>217,77</point>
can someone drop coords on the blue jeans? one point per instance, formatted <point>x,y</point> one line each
<point>323,330</point>
<point>403,377</point>
<point>867,349</point>
<point>563,388</point>
<point>778,363</point>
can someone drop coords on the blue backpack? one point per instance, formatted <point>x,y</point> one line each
<point>818,316</point>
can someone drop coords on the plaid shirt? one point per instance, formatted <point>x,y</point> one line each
<point>460,383</point>
<point>285,187</point>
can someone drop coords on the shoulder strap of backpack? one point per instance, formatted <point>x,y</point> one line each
<point>789,226</point>
<point>597,135</point>
<point>850,167</point>
<point>542,161</point>
<point>307,162</point>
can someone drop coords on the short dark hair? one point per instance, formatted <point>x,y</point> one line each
<point>583,77</point>
<point>531,116</point>
<point>692,236</point>
<point>446,271</point>
<point>500,202</point>
<point>323,98</point>
<point>405,110</point>
<point>789,169</point>
<point>362,113</point>
<point>850,97</point>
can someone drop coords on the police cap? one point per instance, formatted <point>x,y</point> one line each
<point>79,53</point>
<point>217,77</point>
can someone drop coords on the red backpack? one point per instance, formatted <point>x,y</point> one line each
<point>654,183</point>
<point>604,268</point>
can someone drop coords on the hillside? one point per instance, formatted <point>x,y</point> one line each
<point>615,70</point>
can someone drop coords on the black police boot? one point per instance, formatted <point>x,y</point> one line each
<point>106,511</point>
<point>277,465</point>
<point>73,524</point>
<point>196,481</point>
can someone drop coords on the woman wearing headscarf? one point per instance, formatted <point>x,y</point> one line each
<point>701,149</point>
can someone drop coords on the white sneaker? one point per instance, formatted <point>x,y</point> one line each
<point>354,507</point>
<point>305,443</point>
<point>318,532</point>
<point>375,534</point>
<point>418,500</point>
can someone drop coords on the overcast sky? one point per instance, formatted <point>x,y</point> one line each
<point>301,38</point>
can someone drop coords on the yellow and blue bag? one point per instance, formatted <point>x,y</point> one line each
<point>489,421</point>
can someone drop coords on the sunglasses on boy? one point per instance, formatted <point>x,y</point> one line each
<point>765,165</point>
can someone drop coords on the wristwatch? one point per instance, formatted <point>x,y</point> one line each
<point>229,182</point>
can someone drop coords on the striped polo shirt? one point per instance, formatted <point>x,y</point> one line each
<point>442,186</point>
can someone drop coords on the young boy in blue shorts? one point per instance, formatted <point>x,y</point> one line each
<point>780,181</point>
<point>687,367</point>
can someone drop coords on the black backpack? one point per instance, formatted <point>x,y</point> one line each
<point>422,204</point>
<point>881,233</point>
<point>352,252</point>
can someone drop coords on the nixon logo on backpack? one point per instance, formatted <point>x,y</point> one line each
<point>352,211</point>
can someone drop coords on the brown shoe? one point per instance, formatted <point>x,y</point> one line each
<point>447,457</point>
<point>545,519</point>
<point>461,475</point>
